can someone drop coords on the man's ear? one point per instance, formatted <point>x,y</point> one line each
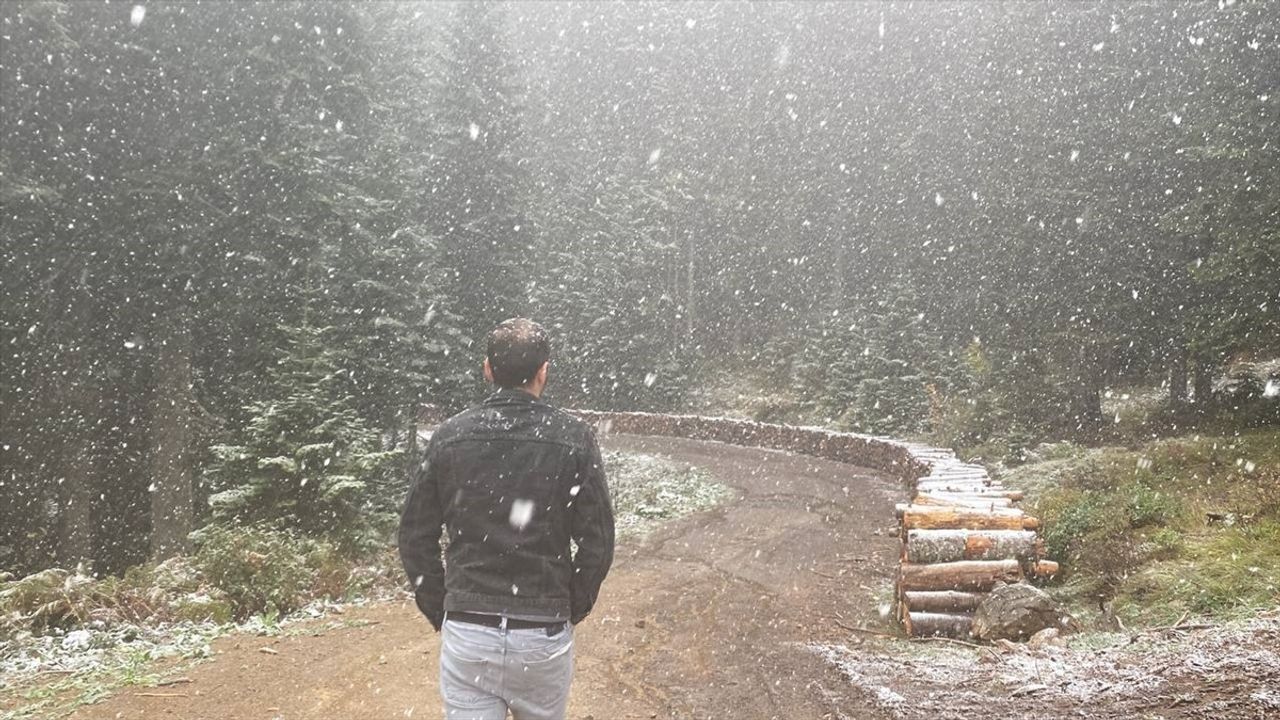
<point>488,371</point>
<point>542,373</point>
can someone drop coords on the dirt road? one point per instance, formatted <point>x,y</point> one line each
<point>709,617</point>
<point>736,614</point>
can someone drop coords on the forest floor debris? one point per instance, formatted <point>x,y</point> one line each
<point>1232,670</point>
<point>48,670</point>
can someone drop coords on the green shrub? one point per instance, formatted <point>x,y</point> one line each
<point>1147,507</point>
<point>261,570</point>
<point>1180,525</point>
<point>213,606</point>
<point>1075,525</point>
<point>1168,543</point>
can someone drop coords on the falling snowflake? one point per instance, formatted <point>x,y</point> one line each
<point>521,513</point>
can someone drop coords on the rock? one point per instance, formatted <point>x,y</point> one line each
<point>77,640</point>
<point>1050,636</point>
<point>1017,612</point>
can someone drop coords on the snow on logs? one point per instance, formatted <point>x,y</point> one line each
<point>924,547</point>
<point>962,533</point>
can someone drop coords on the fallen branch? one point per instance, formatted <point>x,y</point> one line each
<point>868,631</point>
<point>162,695</point>
<point>1180,628</point>
<point>953,641</point>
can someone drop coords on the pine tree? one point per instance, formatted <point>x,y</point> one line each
<point>478,191</point>
<point>306,459</point>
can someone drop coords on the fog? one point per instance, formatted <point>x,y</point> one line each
<point>244,244</point>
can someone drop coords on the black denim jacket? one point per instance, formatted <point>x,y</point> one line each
<point>514,480</point>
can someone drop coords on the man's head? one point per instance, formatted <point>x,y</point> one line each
<point>517,355</point>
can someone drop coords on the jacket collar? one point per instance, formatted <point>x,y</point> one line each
<point>510,396</point>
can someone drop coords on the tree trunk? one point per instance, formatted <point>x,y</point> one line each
<point>77,400</point>
<point>1086,406</point>
<point>1202,384</point>
<point>1178,376</point>
<point>171,436</point>
<point>690,306</point>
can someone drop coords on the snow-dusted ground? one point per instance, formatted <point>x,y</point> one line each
<point>1231,670</point>
<point>100,646</point>
<point>650,489</point>
<point>647,489</point>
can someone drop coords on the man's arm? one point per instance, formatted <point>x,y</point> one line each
<point>420,539</point>
<point>592,532</point>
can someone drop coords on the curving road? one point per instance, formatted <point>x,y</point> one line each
<point>709,617</point>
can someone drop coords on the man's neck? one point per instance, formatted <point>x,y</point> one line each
<point>531,389</point>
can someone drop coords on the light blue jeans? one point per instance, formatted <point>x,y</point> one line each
<point>485,671</point>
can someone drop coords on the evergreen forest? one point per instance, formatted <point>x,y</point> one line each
<point>244,244</point>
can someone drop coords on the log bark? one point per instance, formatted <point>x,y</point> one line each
<point>942,601</point>
<point>926,517</point>
<point>965,489</point>
<point>1046,568</point>
<point>966,575</point>
<point>962,500</point>
<point>952,625</point>
<point>942,546</point>
<point>958,475</point>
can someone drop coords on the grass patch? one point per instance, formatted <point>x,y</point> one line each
<point>111,660</point>
<point>1187,525</point>
<point>651,489</point>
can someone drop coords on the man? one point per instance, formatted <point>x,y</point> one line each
<point>515,482</point>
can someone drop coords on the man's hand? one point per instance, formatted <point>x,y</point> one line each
<point>434,615</point>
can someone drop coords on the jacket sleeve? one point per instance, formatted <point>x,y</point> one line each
<point>419,538</point>
<point>592,517</point>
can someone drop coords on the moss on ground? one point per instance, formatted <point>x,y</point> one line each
<point>1172,527</point>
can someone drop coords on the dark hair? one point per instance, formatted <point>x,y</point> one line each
<point>517,348</point>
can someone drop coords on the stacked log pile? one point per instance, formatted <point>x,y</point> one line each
<point>962,532</point>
